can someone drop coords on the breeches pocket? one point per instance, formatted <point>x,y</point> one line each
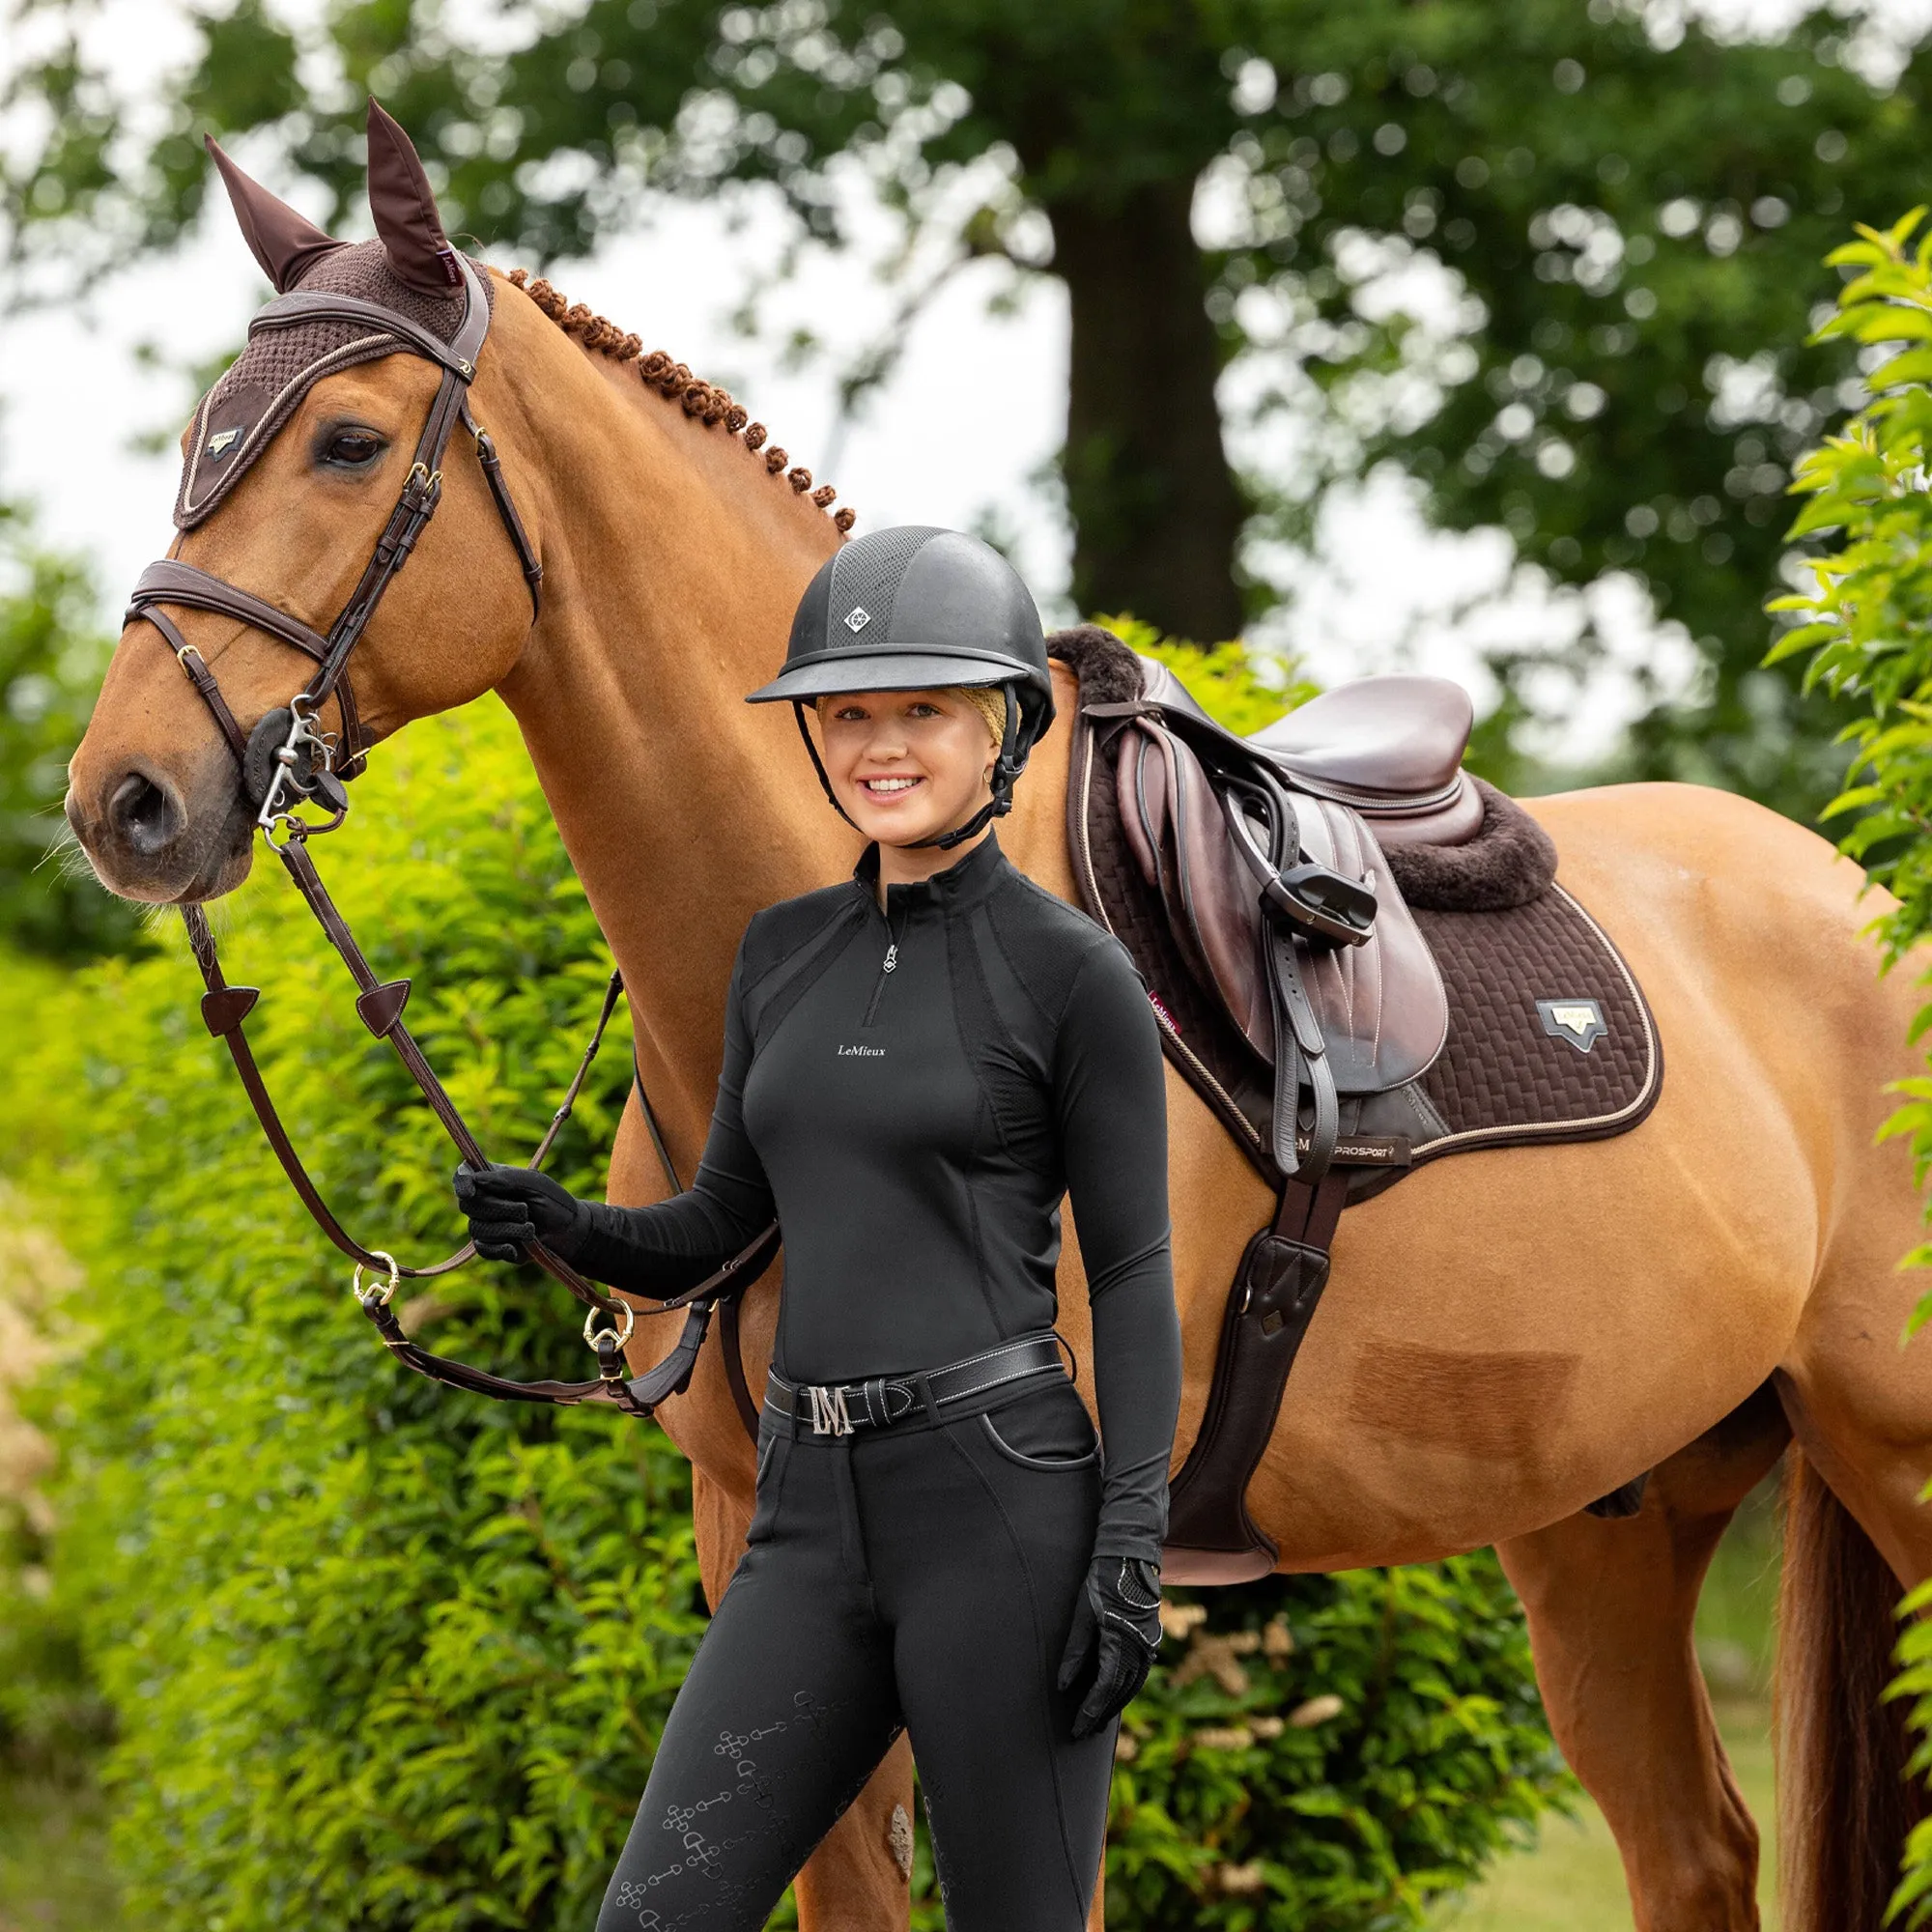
<point>773,1447</point>
<point>1047,1428</point>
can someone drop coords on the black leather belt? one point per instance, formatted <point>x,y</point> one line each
<point>837,1409</point>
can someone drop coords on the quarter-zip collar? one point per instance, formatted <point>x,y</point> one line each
<point>963,883</point>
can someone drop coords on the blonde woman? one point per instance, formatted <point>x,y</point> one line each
<point>919,1063</point>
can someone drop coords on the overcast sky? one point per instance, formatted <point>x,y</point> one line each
<point>975,410</point>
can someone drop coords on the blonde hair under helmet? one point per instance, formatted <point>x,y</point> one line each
<point>990,701</point>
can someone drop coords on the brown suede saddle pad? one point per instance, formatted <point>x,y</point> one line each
<point>1548,1036</point>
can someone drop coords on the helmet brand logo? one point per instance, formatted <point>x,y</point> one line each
<point>857,618</point>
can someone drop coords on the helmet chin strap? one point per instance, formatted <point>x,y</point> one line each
<point>818,765</point>
<point>1006,770</point>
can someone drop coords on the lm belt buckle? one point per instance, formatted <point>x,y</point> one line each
<point>828,1415</point>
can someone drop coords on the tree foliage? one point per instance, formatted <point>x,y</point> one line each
<point>385,1656</point>
<point>1864,629</point>
<point>1625,213</point>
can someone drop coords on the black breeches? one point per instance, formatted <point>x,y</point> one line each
<point>920,1577</point>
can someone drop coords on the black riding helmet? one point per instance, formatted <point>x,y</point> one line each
<point>913,608</point>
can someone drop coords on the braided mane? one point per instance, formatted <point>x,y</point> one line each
<point>704,401</point>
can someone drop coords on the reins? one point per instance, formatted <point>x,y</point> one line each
<point>289,760</point>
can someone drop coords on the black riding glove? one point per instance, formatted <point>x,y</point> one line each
<point>1115,1623</point>
<point>509,1207</point>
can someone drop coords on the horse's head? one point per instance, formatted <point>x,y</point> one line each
<point>293,470</point>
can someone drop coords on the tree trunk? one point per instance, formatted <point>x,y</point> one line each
<point>1155,506</point>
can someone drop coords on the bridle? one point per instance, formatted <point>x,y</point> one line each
<point>288,761</point>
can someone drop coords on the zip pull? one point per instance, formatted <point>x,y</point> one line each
<point>892,957</point>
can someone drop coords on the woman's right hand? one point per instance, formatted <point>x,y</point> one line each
<point>508,1207</point>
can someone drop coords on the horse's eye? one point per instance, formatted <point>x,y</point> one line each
<point>353,449</point>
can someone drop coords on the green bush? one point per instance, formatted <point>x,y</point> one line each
<point>1866,625</point>
<point>51,657</point>
<point>382,1655</point>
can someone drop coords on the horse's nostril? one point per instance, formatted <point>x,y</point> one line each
<point>144,815</point>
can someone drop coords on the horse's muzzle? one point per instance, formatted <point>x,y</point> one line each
<point>149,839</point>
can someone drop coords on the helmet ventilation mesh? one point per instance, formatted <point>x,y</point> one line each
<point>866,577</point>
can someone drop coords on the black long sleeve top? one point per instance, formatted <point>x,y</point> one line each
<point>912,1092</point>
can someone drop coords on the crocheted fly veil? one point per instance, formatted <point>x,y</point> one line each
<point>411,267</point>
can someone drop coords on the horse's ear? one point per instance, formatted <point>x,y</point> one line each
<point>405,211</point>
<point>287,245</point>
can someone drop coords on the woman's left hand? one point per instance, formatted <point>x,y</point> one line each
<point>1117,1624</point>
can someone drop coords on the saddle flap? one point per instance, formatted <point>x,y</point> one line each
<point>1382,1007</point>
<point>1174,828</point>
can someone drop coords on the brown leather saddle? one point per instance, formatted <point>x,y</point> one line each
<point>1268,873</point>
<point>1277,892</point>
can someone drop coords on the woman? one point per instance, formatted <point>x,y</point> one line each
<point>917,1063</point>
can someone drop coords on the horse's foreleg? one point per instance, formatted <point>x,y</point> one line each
<point>855,1880</point>
<point>1610,1608</point>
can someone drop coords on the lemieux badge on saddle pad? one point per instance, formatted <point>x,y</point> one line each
<point>1579,1022</point>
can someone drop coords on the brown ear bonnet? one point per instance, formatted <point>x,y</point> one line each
<point>411,267</point>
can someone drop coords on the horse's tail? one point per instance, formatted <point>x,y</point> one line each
<point>1845,1803</point>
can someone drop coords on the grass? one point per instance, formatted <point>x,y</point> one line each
<point>53,1857</point>
<point>1573,1881</point>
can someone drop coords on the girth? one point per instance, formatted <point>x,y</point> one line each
<point>289,760</point>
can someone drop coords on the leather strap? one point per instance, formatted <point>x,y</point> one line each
<point>170,581</point>
<point>203,680</point>
<point>881,1400</point>
<point>636,1396</point>
<point>1211,1536</point>
<point>506,509</point>
<point>224,1009</point>
<point>381,1008</point>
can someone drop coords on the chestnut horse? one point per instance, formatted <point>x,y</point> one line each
<point>1507,1335</point>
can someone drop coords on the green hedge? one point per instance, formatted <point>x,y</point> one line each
<point>52,653</point>
<point>1864,623</point>
<point>383,1656</point>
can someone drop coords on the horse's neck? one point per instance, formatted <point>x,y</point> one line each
<point>672,565</point>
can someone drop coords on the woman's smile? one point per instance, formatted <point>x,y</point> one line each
<point>891,784</point>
